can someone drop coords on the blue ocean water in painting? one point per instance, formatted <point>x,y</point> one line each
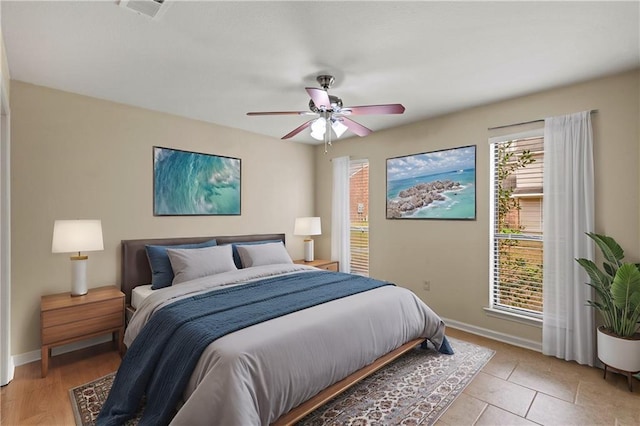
<point>458,204</point>
<point>188,183</point>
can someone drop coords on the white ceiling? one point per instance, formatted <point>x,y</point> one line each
<point>215,61</point>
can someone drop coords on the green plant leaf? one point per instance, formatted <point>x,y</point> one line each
<point>609,269</point>
<point>626,286</point>
<point>609,247</point>
<point>626,296</point>
<point>598,279</point>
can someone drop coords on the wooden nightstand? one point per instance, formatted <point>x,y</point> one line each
<point>65,319</point>
<point>329,265</point>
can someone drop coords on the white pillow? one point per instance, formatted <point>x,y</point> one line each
<point>263,254</point>
<point>189,264</point>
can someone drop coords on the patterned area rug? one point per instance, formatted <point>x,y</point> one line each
<point>412,390</point>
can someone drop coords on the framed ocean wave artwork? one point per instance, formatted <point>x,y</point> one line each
<point>194,184</point>
<point>433,185</point>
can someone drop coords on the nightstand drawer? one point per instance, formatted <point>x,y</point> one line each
<point>330,267</point>
<point>81,327</point>
<point>74,314</point>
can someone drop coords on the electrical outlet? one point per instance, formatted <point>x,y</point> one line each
<point>426,285</point>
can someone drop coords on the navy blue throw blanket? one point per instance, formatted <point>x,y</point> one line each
<point>161,359</point>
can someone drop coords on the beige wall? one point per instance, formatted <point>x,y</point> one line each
<point>80,157</point>
<point>454,255</point>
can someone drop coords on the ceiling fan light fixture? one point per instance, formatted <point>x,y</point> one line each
<point>318,128</point>
<point>339,128</point>
<point>317,136</point>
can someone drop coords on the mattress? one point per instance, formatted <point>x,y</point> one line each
<point>139,294</point>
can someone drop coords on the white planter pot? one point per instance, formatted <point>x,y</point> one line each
<point>621,354</point>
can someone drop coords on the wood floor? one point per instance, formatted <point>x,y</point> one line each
<point>30,399</point>
<point>517,387</point>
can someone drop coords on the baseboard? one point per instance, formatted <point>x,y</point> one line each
<point>495,335</point>
<point>32,356</point>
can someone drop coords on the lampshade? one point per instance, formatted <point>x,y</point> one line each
<point>319,128</point>
<point>307,226</point>
<point>339,128</point>
<point>76,236</point>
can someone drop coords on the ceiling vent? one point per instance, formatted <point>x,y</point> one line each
<point>151,8</point>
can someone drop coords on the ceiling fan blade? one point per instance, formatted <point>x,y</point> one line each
<point>374,109</point>
<point>279,113</point>
<point>320,97</point>
<point>356,128</point>
<point>298,129</point>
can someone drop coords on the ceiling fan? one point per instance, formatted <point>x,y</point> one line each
<point>331,115</point>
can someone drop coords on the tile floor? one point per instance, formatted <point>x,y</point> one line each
<point>523,387</point>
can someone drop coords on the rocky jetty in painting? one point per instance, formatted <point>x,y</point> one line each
<point>419,196</point>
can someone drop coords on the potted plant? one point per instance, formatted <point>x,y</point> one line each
<point>617,287</point>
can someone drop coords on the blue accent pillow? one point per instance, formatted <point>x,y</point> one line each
<point>161,270</point>
<point>236,255</point>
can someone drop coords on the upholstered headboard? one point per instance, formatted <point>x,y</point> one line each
<point>135,265</point>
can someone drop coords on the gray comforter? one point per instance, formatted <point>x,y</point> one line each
<point>255,375</point>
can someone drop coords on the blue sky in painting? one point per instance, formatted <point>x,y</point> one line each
<point>431,163</point>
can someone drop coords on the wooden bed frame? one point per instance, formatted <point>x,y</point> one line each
<point>136,271</point>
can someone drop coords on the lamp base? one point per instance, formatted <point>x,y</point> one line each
<point>308,250</point>
<point>79,275</point>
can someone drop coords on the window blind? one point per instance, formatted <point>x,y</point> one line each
<point>517,171</point>
<point>359,216</point>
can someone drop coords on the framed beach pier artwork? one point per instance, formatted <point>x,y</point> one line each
<point>194,184</point>
<point>433,185</point>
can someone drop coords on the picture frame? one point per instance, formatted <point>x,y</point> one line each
<point>432,185</point>
<point>187,183</point>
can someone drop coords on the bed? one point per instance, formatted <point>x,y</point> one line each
<point>261,372</point>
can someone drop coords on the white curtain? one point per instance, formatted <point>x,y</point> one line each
<point>568,325</point>
<point>340,235</point>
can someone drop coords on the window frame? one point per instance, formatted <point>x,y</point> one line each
<point>493,309</point>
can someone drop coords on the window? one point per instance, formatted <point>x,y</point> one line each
<point>359,216</point>
<point>516,228</point>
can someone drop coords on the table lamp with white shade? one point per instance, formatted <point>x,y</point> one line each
<point>307,226</point>
<point>70,236</point>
